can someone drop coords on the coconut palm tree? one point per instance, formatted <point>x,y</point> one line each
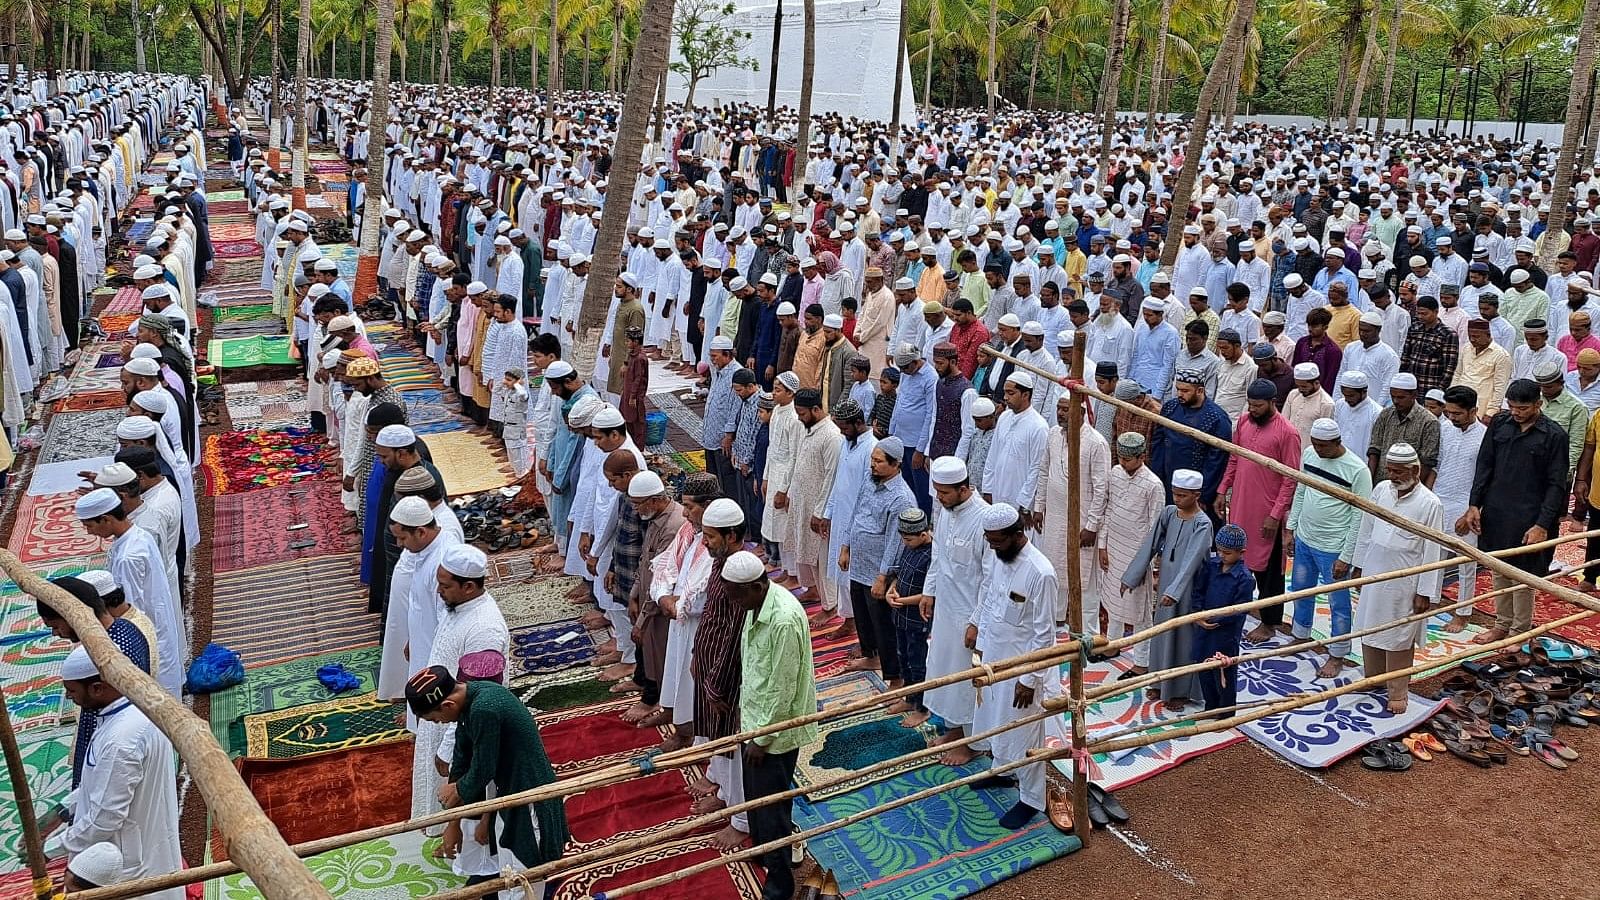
<point>377,126</point>
<point>1115,45</point>
<point>1468,30</point>
<point>301,140</point>
<point>808,70</point>
<point>950,23</point>
<point>1578,100</point>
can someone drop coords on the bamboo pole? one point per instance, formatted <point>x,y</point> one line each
<point>22,795</point>
<point>251,837</point>
<point>1080,729</point>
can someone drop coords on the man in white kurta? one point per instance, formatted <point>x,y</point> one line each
<point>1382,547</point>
<point>128,796</point>
<point>1135,497</point>
<point>817,457</point>
<point>1014,615</point>
<point>783,442</point>
<point>1094,471</point>
<point>135,564</point>
<point>682,572</point>
<point>1460,438</point>
<point>1016,456</point>
<point>955,582</point>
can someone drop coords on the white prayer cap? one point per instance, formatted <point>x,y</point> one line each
<point>99,579</point>
<point>1274,318</point>
<point>722,342</point>
<point>1187,479</point>
<point>394,436</point>
<point>502,241</point>
<point>786,308</point>
<point>1032,327</point>
<point>743,568</point>
<point>1372,317</point>
<point>97,502</point>
<point>723,513</point>
<point>1402,454</point>
<point>789,380</point>
<point>16,234</point>
<point>1404,381</point>
<point>114,475</point>
<point>1417,261</point>
<point>476,288</point>
<point>608,417</point>
<point>465,561</point>
<point>318,291</point>
<point>1307,371</point>
<point>577,259</point>
<point>999,517</point>
<point>1325,430</point>
<point>1022,380</point>
<point>1010,320</point>
<point>646,484</point>
<point>981,407</point>
<point>339,323</point>
<point>833,320</point>
<point>1293,280</point>
<point>149,271</point>
<point>1153,304</point>
<point>147,368</point>
<point>136,428</point>
<point>143,260</point>
<point>1354,379</point>
<point>1160,278</point>
<point>1518,276</point>
<point>413,512</point>
<point>416,234</point>
<point>737,283</point>
<point>155,290</point>
<point>78,666</point>
<point>560,370</point>
<point>582,414</point>
<point>949,470</point>
<point>630,279</point>
<point>1202,293</point>
<point>1191,229</point>
<point>293,223</point>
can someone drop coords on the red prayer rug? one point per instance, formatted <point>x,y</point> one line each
<point>312,797</point>
<point>47,528</point>
<point>279,524</point>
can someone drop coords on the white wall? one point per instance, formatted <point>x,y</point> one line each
<point>1551,133</point>
<point>855,51</point>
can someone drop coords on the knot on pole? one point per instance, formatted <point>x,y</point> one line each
<point>1085,641</point>
<point>646,764</point>
<point>516,878</point>
<point>1223,658</point>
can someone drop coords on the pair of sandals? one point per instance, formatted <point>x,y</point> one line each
<point>1104,808</point>
<point>820,884</point>
<point>1387,756</point>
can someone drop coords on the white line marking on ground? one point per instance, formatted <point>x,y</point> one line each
<point>1149,854</point>
<point>1327,785</point>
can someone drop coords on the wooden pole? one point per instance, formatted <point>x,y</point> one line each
<point>1081,825</point>
<point>22,795</point>
<point>251,838</point>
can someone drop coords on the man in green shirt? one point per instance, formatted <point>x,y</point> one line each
<point>1322,530</point>
<point>1564,408</point>
<point>498,746</point>
<point>778,684</point>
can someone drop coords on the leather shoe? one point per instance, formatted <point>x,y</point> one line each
<point>1114,808</point>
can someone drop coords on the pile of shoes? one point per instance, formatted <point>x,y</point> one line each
<point>1513,702</point>
<point>820,884</point>
<point>496,522</point>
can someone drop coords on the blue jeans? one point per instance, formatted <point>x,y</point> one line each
<point>1313,567</point>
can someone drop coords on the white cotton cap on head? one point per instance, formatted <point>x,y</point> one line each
<point>114,475</point>
<point>99,579</point>
<point>1187,479</point>
<point>608,417</point>
<point>1307,371</point>
<point>1401,454</point>
<point>723,513</point>
<point>137,428</point>
<point>559,370</point>
<point>743,568</point>
<point>1353,379</point>
<point>646,484</point>
<point>981,407</point>
<point>1404,381</point>
<point>1325,430</point>
<point>999,517</point>
<point>413,512</point>
<point>97,502</point>
<point>948,470</point>
<point>79,666</point>
<point>143,366</point>
<point>465,561</point>
<point>393,436</point>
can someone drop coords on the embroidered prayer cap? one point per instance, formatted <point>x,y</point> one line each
<point>1307,371</point>
<point>1325,429</point>
<point>723,513</point>
<point>982,406</point>
<point>415,480</point>
<point>1274,318</point>
<point>1550,372</point>
<point>1402,454</point>
<point>429,688</point>
<point>79,666</point>
<point>1372,317</point>
<point>482,665</point>
<point>560,370</point>
<point>1231,537</point>
<point>608,417</point>
<point>1589,356</point>
<point>396,436</point>
<point>1000,517</point>
<point>1187,479</point>
<point>465,561</point>
<point>412,512</point>
<point>833,320</point>
<point>789,380</point>
<point>362,368</point>
<point>893,448</point>
<point>1189,376</point>
<point>99,579</point>
<point>949,470</point>
<point>137,428</point>
<point>906,354</point>
<point>699,485</point>
<point>646,484</point>
<point>1353,379</point>
<point>1033,328</point>
<point>1130,444</point>
<point>932,306</point>
<point>1404,381</point>
<point>845,409</point>
<point>900,284</point>
<point>114,475</point>
<point>742,567</point>
<point>913,521</point>
<point>153,401</point>
<point>722,342</point>
<point>147,368</point>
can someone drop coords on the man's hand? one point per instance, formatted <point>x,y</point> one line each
<point>892,595</point>
<point>780,500</point>
<point>918,460</point>
<point>1086,539</point>
<point>585,544</point>
<point>1419,604</point>
<point>1105,560</point>
<point>481,832</point>
<point>1021,697</point>
<point>1220,507</point>
<point>669,605</point>
<point>593,563</point>
<point>349,482</point>
<point>1340,568</point>
<point>877,589</point>
<point>1534,535</point>
<point>754,754</point>
<point>1167,600</point>
<point>926,607</point>
<point>971,637</point>
<point>450,842</point>
<point>610,583</point>
<point>844,559</point>
<point>727,443</point>
<point>1461,525</point>
<point>448,795</point>
<point>1269,527</point>
<point>1474,520</point>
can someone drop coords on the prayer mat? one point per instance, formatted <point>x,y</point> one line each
<point>109,361</point>
<point>273,613</point>
<point>735,880</point>
<point>215,197</point>
<point>267,404</point>
<point>538,649</point>
<point>847,687</point>
<point>28,650</point>
<point>47,767</point>
<point>557,697</point>
<point>91,401</point>
<point>232,331</point>
<point>88,377</point>
<point>312,797</point>
<point>943,847</point>
<point>116,323</point>
<point>342,723</point>
<point>293,683</point>
<point>854,742</point>
<point>535,603</point>
<point>125,300</point>
<point>1117,713</point>
<point>678,414</point>
<point>1441,644</point>
<point>428,413</point>
<point>19,884</point>
<point>62,477</point>
<point>469,463</point>
<point>244,313</point>
<point>402,867</point>
<point>591,736</point>
<point>236,249</point>
<point>257,350</point>
<point>48,528</point>
<point>274,525</point>
<point>224,232</point>
<point>241,461</point>
<point>1320,734</point>
<point>82,435</point>
<point>525,685</point>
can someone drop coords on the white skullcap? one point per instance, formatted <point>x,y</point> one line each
<point>1325,429</point>
<point>502,241</point>
<point>1293,280</point>
<point>1187,479</point>
<point>833,320</point>
<point>1372,317</point>
<point>981,407</point>
<point>394,436</point>
<point>630,279</point>
<point>1032,327</point>
<point>476,288</point>
<point>136,428</point>
<point>1518,276</point>
<point>1404,381</point>
<point>582,414</point>
<point>114,475</point>
<point>413,512</point>
<point>999,517</point>
<point>904,284</point>
<point>78,666</point>
<point>97,502</point>
<point>144,351</point>
<point>1416,261</point>
<point>338,323</point>
<point>99,579</point>
<point>330,359</point>
<point>608,417</point>
<point>1402,454</point>
<point>1307,371</point>
<point>560,370</point>
<point>1021,379</point>
<point>465,561</point>
<point>789,380</point>
<point>416,234</point>
<point>723,513</point>
<point>743,568</point>
<point>721,342</point>
<point>16,234</point>
<point>949,470</point>
<point>786,308</point>
<point>318,291</point>
<point>154,291</point>
<point>1010,320</point>
<point>577,259</point>
<point>148,271</point>
<point>1353,379</point>
<point>98,864</point>
<point>646,484</point>
<point>142,366</point>
<point>1153,304</point>
<point>737,284</point>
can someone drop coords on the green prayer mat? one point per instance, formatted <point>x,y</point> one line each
<point>556,697</point>
<point>855,742</point>
<point>289,684</point>
<point>342,723</point>
<point>256,350</point>
<point>403,866</point>
<point>47,764</point>
<point>245,313</point>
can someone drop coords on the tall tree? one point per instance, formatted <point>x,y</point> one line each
<point>991,80</point>
<point>302,142</point>
<point>1572,132</point>
<point>648,69</point>
<point>377,155</point>
<point>1388,68</point>
<point>772,76</point>
<point>1158,71</point>
<point>1232,48</point>
<point>706,43</point>
<point>808,71</point>
<point>1369,49</point>
<point>899,64</point>
<point>1116,44</point>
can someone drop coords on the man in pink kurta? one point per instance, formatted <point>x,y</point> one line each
<point>1258,498</point>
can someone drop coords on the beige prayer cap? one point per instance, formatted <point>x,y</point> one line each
<point>414,480</point>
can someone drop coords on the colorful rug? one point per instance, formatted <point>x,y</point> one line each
<point>48,528</point>
<point>534,603</point>
<point>736,881</point>
<point>238,249</point>
<point>117,323</point>
<point>91,401</point>
<point>854,742</point>
<point>342,723</point>
<point>47,766</point>
<point>1114,714</point>
<point>427,412</point>
<point>947,846</point>
<point>246,312</point>
<point>82,435</point>
<point>273,525</point>
<point>125,300</point>
<point>470,464</point>
<point>1322,733</point>
<point>287,684</point>
<point>257,350</point>
<point>90,378</point>
<point>267,404</point>
<point>538,649</point>
<point>268,614</point>
<point>19,884</point>
<point>242,461</point>
<point>312,797</point>
<point>593,735</point>
<point>403,867</point>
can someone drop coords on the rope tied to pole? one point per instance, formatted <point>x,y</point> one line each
<point>517,879</point>
<point>988,675</point>
<point>1085,641</point>
<point>646,764</point>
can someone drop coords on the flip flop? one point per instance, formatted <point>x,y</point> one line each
<point>1386,756</point>
<point>1416,748</point>
<point>1555,650</point>
<point>1471,754</point>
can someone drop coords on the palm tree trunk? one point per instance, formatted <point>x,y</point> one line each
<point>1388,68</point>
<point>301,140</point>
<point>808,69</point>
<point>1577,104</point>
<point>405,48</point>
<point>1159,68</point>
<point>1116,46</point>
<point>927,79</point>
<point>1183,189</point>
<point>494,49</point>
<point>238,39</point>
<point>533,62</point>
<point>648,69</point>
<point>1061,77</point>
<point>1340,84</point>
<point>1589,140</point>
<point>446,14</point>
<point>372,209</point>
<point>1033,70</point>
<point>618,40</point>
<point>899,64</point>
<point>586,81</point>
<point>138,40</point>
<point>661,107</point>
<point>1138,87</point>
<point>551,80</point>
<point>1232,104</point>
<point>1368,50</point>
<point>990,88</point>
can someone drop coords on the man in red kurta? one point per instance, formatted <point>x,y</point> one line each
<point>1257,498</point>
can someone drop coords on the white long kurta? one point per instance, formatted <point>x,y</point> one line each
<point>128,797</point>
<point>783,443</point>
<point>1094,472</point>
<point>955,579</point>
<point>1134,502</point>
<point>136,566</point>
<point>817,458</point>
<point>160,512</point>
<point>1011,473</point>
<point>683,570</point>
<point>1016,615</point>
<point>1382,548</point>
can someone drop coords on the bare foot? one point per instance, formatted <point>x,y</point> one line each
<point>729,839</point>
<point>606,659</point>
<point>637,712</point>
<point>656,719</point>
<point>1456,625</point>
<point>545,549</point>
<point>553,566</point>
<point>594,620</point>
<point>1331,667</point>
<point>957,756</point>
<point>1494,634</point>
<point>617,671</point>
<point>1177,704</point>
<point>676,741</point>
<point>864,664</point>
<point>1398,707</point>
<point>820,618</point>
<point>954,734</point>
<point>625,686</point>
<point>579,592</point>
<point>899,706</point>
<point>847,628</point>
<point>608,647</point>
<point>914,719</point>
<point>1284,628</point>
<point>1259,633</point>
<point>708,803</point>
<point>703,787</point>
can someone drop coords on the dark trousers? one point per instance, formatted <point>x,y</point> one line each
<point>1269,583</point>
<point>727,475</point>
<point>1592,551</point>
<point>911,644</point>
<point>774,774</point>
<point>1219,687</point>
<point>304,348</point>
<point>753,504</point>
<point>319,422</point>
<point>875,629</point>
<point>918,480</point>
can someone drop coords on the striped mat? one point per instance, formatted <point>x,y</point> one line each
<point>277,612</point>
